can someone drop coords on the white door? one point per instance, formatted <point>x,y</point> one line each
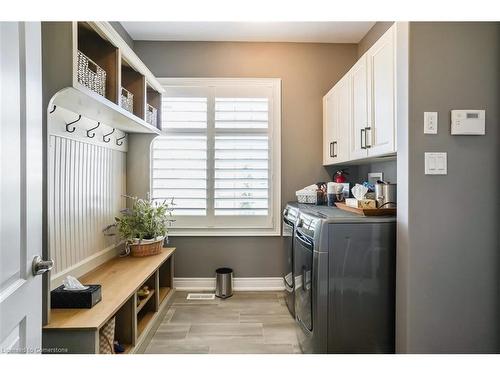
<point>359,110</point>
<point>328,125</point>
<point>343,119</point>
<point>381,130</point>
<point>20,186</point>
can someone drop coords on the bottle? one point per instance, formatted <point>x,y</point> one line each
<point>320,194</point>
<point>330,193</point>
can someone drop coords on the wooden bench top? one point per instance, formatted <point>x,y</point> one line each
<point>119,279</point>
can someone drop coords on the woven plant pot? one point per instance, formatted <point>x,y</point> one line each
<point>144,248</point>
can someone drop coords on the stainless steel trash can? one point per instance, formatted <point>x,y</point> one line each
<point>224,282</point>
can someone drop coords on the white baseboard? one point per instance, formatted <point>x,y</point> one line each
<point>204,284</point>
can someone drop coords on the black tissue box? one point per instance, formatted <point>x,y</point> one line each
<point>75,299</point>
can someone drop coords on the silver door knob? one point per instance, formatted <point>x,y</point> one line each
<point>39,266</point>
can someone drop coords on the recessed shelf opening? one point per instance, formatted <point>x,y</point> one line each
<point>103,53</point>
<point>135,83</point>
<point>153,99</point>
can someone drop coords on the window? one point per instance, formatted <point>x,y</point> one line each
<point>219,157</point>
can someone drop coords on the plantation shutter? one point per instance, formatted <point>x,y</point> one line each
<point>241,156</point>
<point>179,159</point>
<point>218,158</point>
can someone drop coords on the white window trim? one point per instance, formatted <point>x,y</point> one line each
<point>275,167</point>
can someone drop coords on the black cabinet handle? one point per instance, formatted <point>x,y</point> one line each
<point>366,134</point>
<point>334,153</point>
<point>363,137</point>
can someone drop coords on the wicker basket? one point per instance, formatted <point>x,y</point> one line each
<point>91,75</point>
<point>151,115</point>
<point>307,196</point>
<point>127,100</point>
<point>107,337</point>
<point>145,248</point>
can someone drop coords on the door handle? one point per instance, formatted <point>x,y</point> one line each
<point>331,149</point>
<point>361,139</point>
<point>39,266</point>
<point>366,134</point>
<point>334,153</point>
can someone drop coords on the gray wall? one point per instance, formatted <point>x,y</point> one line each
<point>358,173</point>
<point>451,263</point>
<point>387,167</point>
<point>123,33</point>
<point>372,36</point>
<point>307,71</point>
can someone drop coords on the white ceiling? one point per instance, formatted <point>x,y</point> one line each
<point>320,32</point>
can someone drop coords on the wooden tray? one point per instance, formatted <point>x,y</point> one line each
<point>367,211</point>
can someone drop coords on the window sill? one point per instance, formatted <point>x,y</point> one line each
<point>224,232</point>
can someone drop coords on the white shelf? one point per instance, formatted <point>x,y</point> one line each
<point>89,104</point>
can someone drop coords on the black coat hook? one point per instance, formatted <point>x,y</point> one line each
<point>119,141</point>
<point>53,109</point>
<point>93,134</point>
<point>73,122</point>
<point>107,135</point>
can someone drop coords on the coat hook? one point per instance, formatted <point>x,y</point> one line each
<point>106,135</point>
<point>119,141</point>
<point>93,134</point>
<point>73,122</point>
<point>53,109</point>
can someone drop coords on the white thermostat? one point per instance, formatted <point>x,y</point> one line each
<point>468,122</point>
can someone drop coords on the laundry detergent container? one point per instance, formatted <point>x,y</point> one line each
<point>224,282</point>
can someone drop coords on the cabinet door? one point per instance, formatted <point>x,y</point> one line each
<point>381,129</point>
<point>359,110</point>
<point>328,125</point>
<point>342,106</point>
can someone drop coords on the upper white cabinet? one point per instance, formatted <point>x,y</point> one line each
<point>341,130</point>
<point>359,112</point>
<point>336,123</point>
<point>328,125</point>
<point>358,76</point>
<point>381,73</point>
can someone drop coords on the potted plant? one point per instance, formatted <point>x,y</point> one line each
<point>145,225</point>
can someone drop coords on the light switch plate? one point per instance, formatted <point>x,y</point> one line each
<point>430,122</point>
<point>436,163</point>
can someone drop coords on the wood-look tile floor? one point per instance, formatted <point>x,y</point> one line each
<point>246,323</point>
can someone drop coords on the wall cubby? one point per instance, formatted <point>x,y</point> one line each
<point>134,82</point>
<point>100,42</point>
<point>103,53</point>
<point>153,98</point>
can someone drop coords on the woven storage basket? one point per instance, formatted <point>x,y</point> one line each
<point>91,75</point>
<point>307,196</point>
<point>107,337</point>
<point>127,100</point>
<point>151,115</point>
<point>143,249</point>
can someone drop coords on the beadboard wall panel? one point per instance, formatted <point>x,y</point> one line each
<point>86,187</point>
